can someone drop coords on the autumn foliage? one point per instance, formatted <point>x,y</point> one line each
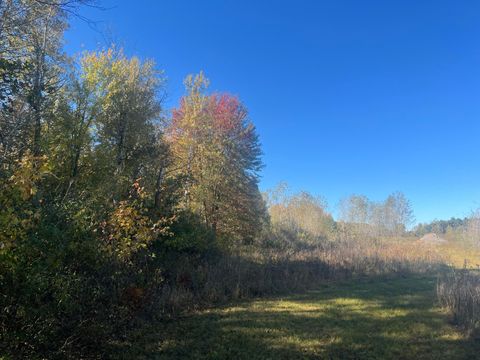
<point>216,152</point>
<point>115,211</point>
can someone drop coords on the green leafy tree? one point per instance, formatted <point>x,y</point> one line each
<point>127,139</point>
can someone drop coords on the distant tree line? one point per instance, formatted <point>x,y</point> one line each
<point>441,226</point>
<point>466,230</point>
<point>393,216</point>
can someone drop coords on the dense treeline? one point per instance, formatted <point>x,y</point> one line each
<point>98,184</point>
<point>112,211</point>
<point>441,226</point>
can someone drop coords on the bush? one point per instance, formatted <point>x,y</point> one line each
<point>63,294</point>
<point>459,292</point>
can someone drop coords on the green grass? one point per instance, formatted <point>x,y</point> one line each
<point>363,319</point>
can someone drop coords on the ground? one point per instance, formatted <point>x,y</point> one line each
<point>376,318</point>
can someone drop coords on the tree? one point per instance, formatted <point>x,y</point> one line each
<point>389,217</point>
<point>70,139</point>
<point>396,214</point>
<point>355,209</point>
<point>301,213</point>
<point>217,154</point>
<point>127,135</point>
<point>31,68</point>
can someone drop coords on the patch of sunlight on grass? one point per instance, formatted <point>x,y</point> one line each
<point>304,345</point>
<point>453,336</point>
<point>234,309</point>
<point>371,319</point>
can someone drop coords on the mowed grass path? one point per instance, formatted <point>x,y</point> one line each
<point>363,319</point>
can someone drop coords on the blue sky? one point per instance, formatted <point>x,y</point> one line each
<point>348,97</point>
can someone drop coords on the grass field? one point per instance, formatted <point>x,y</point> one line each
<point>460,256</point>
<point>378,318</point>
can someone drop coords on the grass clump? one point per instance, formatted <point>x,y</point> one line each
<point>459,292</point>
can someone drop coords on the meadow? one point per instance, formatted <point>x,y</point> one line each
<point>400,315</point>
<point>133,228</point>
<point>368,318</point>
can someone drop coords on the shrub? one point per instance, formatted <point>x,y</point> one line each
<point>459,292</point>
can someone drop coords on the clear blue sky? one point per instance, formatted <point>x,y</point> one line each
<point>348,97</point>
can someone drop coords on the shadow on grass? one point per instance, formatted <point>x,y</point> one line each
<point>367,319</point>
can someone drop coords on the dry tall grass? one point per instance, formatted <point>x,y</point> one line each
<point>459,292</point>
<point>206,282</point>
